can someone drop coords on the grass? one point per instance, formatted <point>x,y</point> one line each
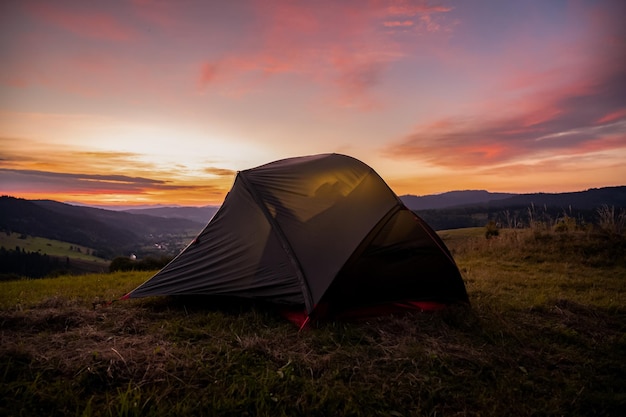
<point>78,290</point>
<point>534,268</point>
<point>48,247</point>
<point>545,336</point>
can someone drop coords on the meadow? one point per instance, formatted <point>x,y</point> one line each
<point>545,335</point>
<point>48,246</point>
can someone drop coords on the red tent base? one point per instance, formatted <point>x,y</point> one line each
<point>321,312</point>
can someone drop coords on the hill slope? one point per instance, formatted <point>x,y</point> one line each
<point>544,337</point>
<point>110,233</point>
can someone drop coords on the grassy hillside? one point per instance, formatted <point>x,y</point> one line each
<point>109,232</point>
<point>22,255</point>
<point>50,247</point>
<point>545,336</point>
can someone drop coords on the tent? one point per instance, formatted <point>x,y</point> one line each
<point>323,234</point>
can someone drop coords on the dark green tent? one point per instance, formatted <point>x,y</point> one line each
<point>321,232</point>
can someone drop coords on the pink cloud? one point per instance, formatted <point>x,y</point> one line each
<point>608,142</point>
<point>396,23</point>
<point>99,25</point>
<point>346,47</point>
<point>612,116</point>
<point>162,13</point>
<point>563,172</point>
<point>565,97</point>
<point>19,81</point>
<point>83,69</point>
<point>430,24</point>
<point>479,142</point>
<point>93,75</point>
<point>586,115</point>
<point>208,72</point>
<point>405,8</point>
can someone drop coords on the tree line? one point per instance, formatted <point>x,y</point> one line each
<point>16,263</point>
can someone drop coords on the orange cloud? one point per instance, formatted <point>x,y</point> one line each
<point>101,178</point>
<point>219,172</point>
<point>37,156</point>
<point>107,189</point>
<point>559,173</point>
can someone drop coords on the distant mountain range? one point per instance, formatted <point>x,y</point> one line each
<point>452,199</point>
<point>112,233</point>
<point>473,208</point>
<point>196,214</point>
<point>109,232</point>
<point>583,200</point>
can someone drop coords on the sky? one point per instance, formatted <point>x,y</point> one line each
<point>140,102</point>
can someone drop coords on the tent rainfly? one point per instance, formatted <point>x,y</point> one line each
<point>323,234</point>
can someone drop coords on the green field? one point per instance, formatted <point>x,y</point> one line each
<point>545,336</point>
<point>48,247</point>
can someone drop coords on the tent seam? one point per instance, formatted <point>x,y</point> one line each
<point>308,299</point>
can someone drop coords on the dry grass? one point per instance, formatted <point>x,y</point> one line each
<point>544,336</point>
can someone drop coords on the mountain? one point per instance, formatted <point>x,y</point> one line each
<point>435,201</point>
<point>583,200</point>
<point>168,229</point>
<point>196,214</point>
<point>451,199</point>
<point>516,210</point>
<point>109,232</point>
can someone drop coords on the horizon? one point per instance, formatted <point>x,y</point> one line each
<point>144,102</point>
<point>121,207</point>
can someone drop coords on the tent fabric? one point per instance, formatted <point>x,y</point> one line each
<point>322,229</point>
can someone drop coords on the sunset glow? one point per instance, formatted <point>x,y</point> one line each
<point>141,102</point>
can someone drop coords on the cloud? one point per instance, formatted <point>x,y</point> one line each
<point>36,170</point>
<point>396,23</point>
<point>344,47</point>
<point>90,49</point>
<point>463,144</point>
<point>105,189</point>
<point>219,172</point>
<point>412,8</point>
<point>25,154</point>
<point>356,78</point>
<point>28,179</point>
<point>208,72</point>
<point>162,13</point>
<point>423,17</point>
<point>63,186</point>
<point>92,24</point>
<point>583,113</point>
<point>612,116</point>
